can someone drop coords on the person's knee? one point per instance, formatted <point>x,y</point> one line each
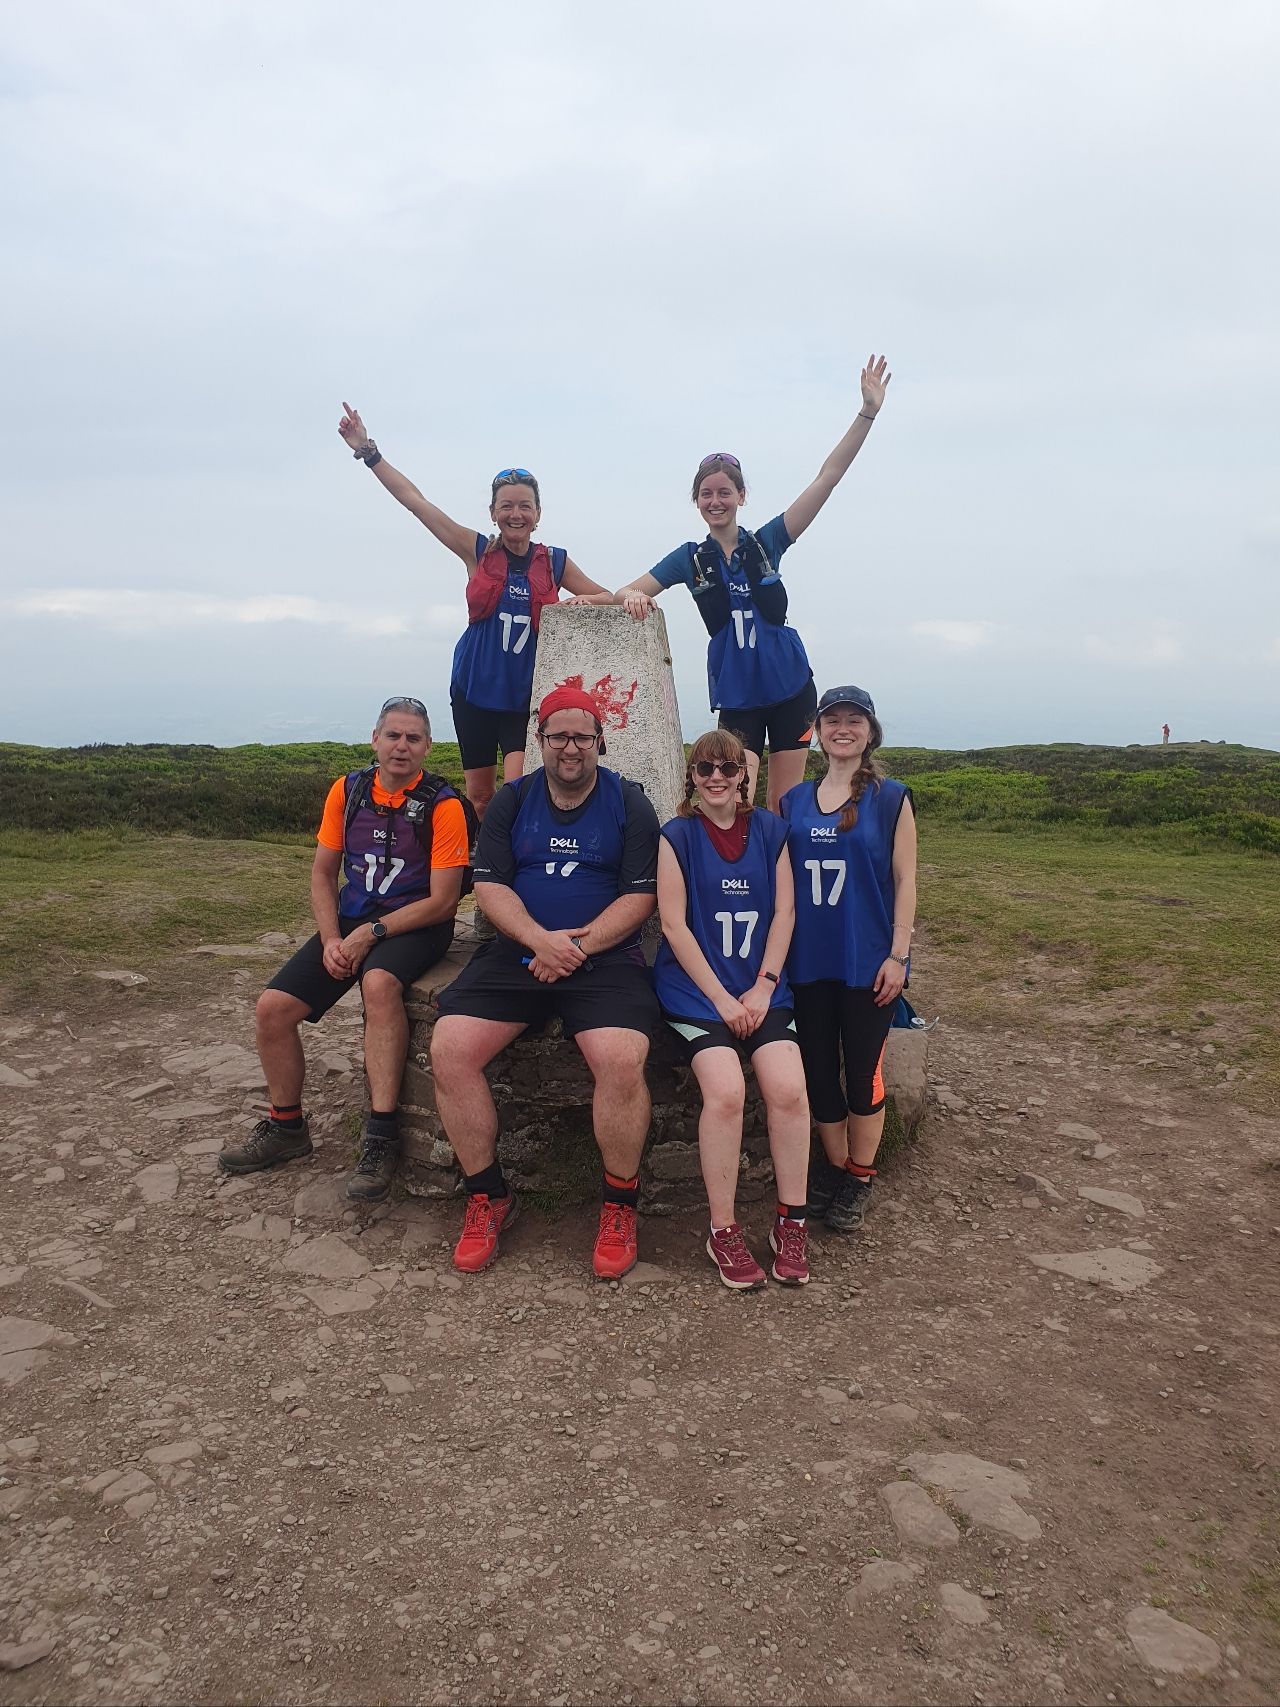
<point>480,794</point>
<point>725,1100</point>
<point>383,995</point>
<point>789,1100</point>
<point>621,1068</point>
<point>276,1013</point>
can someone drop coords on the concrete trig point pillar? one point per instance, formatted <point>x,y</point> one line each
<point>626,668</point>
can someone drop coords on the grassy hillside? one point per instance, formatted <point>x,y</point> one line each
<point>1184,795</point>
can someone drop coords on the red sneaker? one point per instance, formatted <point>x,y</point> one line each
<point>739,1270</point>
<point>615,1251</point>
<point>486,1218</point>
<point>789,1240</point>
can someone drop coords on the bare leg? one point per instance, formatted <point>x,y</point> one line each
<point>620,1108</point>
<point>780,1075</point>
<point>461,1049</point>
<point>386,1037</point>
<point>479,786</point>
<point>753,772</point>
<point>865,1133</point>
<point>719,1075</point>
<point>785,771</point>
<point>835,1141</point>
<point>512,766</point>
<point>277,1019</point>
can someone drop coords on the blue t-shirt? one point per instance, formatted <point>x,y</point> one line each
<point>729,909</point>
<point>844,884</point>
<point>493,660</point>
<point>750,663</point>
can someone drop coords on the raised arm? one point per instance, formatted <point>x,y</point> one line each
<point>452,535</point>
<point>875,377</point>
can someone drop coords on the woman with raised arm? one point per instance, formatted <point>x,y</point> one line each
<point>725,899</point>
<point>510,581</point>
<point>852,839</point>
<point>757,668</point>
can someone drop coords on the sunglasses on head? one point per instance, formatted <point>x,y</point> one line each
<point>513,477</point>
<point>407,701</point>
<point>720,456</point>
<point>728,768</point>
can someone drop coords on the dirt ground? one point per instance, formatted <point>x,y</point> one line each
<point>259,1448</point>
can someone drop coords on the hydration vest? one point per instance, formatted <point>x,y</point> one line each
<point>484,588</point>
<point>711,593</point>
<point>369,867</point>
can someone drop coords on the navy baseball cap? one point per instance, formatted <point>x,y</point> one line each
<point>858,697</point>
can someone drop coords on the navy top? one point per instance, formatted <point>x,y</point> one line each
<point>567,867</point>
<point>729,909</point>
<point>844,884</point>
<point>750,663</point>
<point>493,660</point>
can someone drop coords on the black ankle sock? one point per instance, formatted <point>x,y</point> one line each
<point>625,1191</point>
<point>384,1127</point>
<point>488,1181</point>
<point>290,1118</point>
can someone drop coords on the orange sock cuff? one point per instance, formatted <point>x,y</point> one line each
<point>858,1171</point>
<point>292,1112</point>
<point>620,1184</point>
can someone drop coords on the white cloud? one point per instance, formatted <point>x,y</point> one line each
<point>135,612</point>
<point>956,636</point>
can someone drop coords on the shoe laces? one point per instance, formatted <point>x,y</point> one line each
<point>731,1243</point>
<point>792,1236</point>
<point>373,1155</point>
<point>479,1217</point>
<point>616,1220</point>
<point>255,1144</point>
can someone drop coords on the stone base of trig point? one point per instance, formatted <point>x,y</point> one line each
<point>543,1091</point>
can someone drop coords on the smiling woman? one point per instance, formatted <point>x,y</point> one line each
<point>510,581</point>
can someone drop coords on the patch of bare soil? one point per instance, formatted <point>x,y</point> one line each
<point>1016,1442</point>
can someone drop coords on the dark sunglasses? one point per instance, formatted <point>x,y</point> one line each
<point>409,704</point>
<point>728,768</point>
<point>720,456</point>
<point>513,476</point>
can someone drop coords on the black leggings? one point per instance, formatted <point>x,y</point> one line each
<point>830,1017</point>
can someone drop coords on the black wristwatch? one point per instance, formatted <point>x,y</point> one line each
<point>378,930</point>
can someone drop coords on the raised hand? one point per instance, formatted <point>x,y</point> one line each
<point>352,430</point>
<point>875,377</point>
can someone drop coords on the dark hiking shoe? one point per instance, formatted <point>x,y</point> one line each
<point>379,1159</point>
<point>824,1182</point>
<point>849,1203</point>
<point>267,1146</point>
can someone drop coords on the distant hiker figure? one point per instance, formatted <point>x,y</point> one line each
<point>402,837</point>
<point>1164,734</point>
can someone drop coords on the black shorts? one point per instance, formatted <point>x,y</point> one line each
<point>833,1021</point>
<point>785,728</point>
<point>407,956</point>
<point>612,989</point>
<point>777,1026</point>
<point>482,734</point>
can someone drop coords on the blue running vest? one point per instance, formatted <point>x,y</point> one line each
<point>493,660</point>
<point>844,885</point>
<point>751,662</point>
<point>730,909</point>
<point>567,874</point>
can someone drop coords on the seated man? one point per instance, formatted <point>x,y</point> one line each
<point>566,867</point>
<point>401,836</point>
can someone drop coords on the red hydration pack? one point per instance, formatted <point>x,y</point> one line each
<point>484,588</point>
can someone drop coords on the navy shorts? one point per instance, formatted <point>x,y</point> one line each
<point>777,1026</point>
<point>483,734</point>
<point>785,728</point>
<point>611,989</point>
<point>407,956</point>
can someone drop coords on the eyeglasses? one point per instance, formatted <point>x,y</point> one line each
<point>728,768</point>
<point>720,456</point>
<point>513,476</point>
<point>562,737</point>
<point>408,702</point>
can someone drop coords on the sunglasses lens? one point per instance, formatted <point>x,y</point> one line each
<point>728,769</point>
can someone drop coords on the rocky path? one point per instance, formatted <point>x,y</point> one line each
<point>1016,1442</point>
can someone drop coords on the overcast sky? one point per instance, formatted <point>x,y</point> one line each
<point>600,242</point>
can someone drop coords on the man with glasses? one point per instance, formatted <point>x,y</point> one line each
<point>399,836</point>
<point>566,867</point>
